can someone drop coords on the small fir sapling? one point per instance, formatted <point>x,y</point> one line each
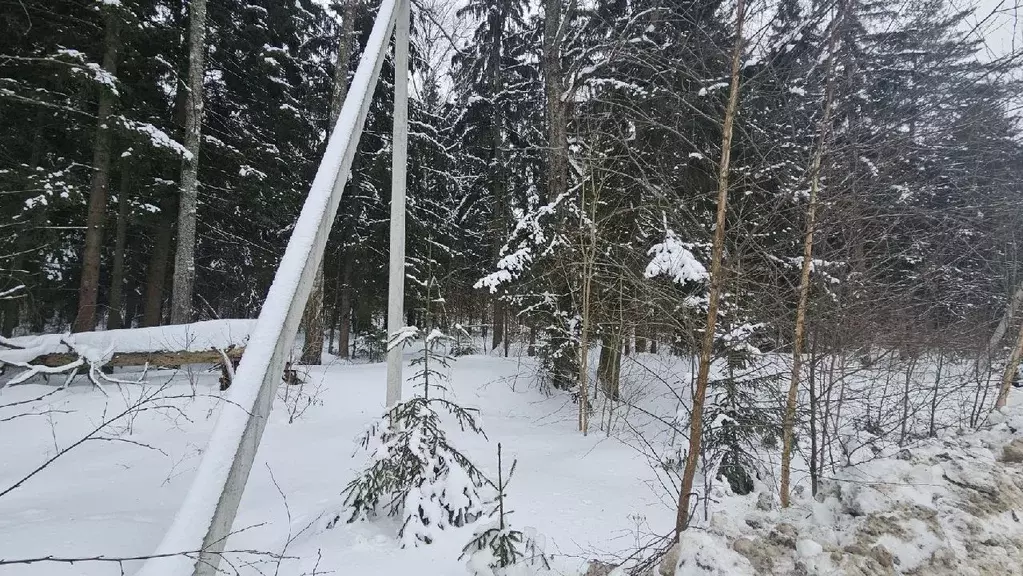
<point>496,549</point>
<point>414,472</point>
<point>740,412</point>
<point>372,345</point>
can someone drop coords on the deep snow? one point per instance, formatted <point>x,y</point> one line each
<point>116,497</point>
<point>945,506</point>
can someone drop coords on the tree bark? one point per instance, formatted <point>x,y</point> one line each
<point>1010,313</point>
<point>184,258</point>
<point>88,290</point>
<point>609,366</point>
<point>716,281</point>
<point>557,118</point>
<point>115,318</point>
<point>344,332</point>
<point>804,278</point>
<point>1010,371</point>
<point>312,316</point>
<point>156,276</point>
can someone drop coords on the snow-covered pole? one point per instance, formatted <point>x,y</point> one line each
<point>399,156</point>
<point>196,540</point>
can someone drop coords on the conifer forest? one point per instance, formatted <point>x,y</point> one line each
<point>694,287</point>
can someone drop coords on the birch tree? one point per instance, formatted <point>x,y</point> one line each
<point>716,279</point>
<point>807,263</point>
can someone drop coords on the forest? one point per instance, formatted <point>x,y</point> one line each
<point>799,220</point>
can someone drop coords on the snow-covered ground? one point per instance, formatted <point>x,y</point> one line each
<point>115,496</point>
<point>945,506</point>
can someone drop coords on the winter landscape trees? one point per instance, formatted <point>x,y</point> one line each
<point>796,221</point>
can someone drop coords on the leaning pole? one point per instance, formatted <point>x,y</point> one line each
<point>197,538</point>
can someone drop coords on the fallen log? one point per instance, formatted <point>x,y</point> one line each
<point>161,359</point>
<point>214,342</point>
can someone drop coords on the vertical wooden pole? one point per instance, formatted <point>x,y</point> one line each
<point>399,161</point>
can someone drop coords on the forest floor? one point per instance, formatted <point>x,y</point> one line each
<point>943,506</point>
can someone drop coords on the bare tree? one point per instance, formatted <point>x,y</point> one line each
<point>716,279</point>
<point>807,265</point>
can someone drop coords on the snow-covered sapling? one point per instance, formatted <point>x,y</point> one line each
<point>496,547</point>
<point>414,472</point>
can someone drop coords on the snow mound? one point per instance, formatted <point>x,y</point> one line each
<point>951,506</point>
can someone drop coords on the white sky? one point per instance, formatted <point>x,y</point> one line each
<point>997,22</point>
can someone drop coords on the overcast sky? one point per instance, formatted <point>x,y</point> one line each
<point>997,22</point>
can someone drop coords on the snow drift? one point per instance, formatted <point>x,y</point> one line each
<point>951,506</point>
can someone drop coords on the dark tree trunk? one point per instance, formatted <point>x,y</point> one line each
<point>158,262</point>
<point>641,345</point>
<point>498,332</point>
<point>554,87</point>
<point>312,316</point>
<point>609,366</point>
<point>345,330</point>
<point>115,319</point>
<point>88,290</point>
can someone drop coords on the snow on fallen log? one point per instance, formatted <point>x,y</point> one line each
<point>200,342</point>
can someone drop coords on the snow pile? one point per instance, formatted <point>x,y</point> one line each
<point>951,506</point>
<point>701,554</point>
<point>96,347</point>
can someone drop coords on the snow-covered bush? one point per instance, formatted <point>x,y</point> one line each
<point>496,549</point>
<point>414,472</point>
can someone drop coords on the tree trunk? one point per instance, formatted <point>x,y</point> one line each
<point>1010,371</point>
<point>610,365</point>
<point>11,306</point>
<point>496,20</point>
<point>345,330</point>
<point>1010,313</point>
<point>156,276</point>
<point>557,118</point>
<point>716,282</point>
<point>641,345</point>
<point>312,316</point>
<point>115,318</point>
<point>932,431</point>
<point>789,422</point>
<point>184,258</point>
<point>497,334</point>
<point>88,290</point>
<point>814,403</point>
